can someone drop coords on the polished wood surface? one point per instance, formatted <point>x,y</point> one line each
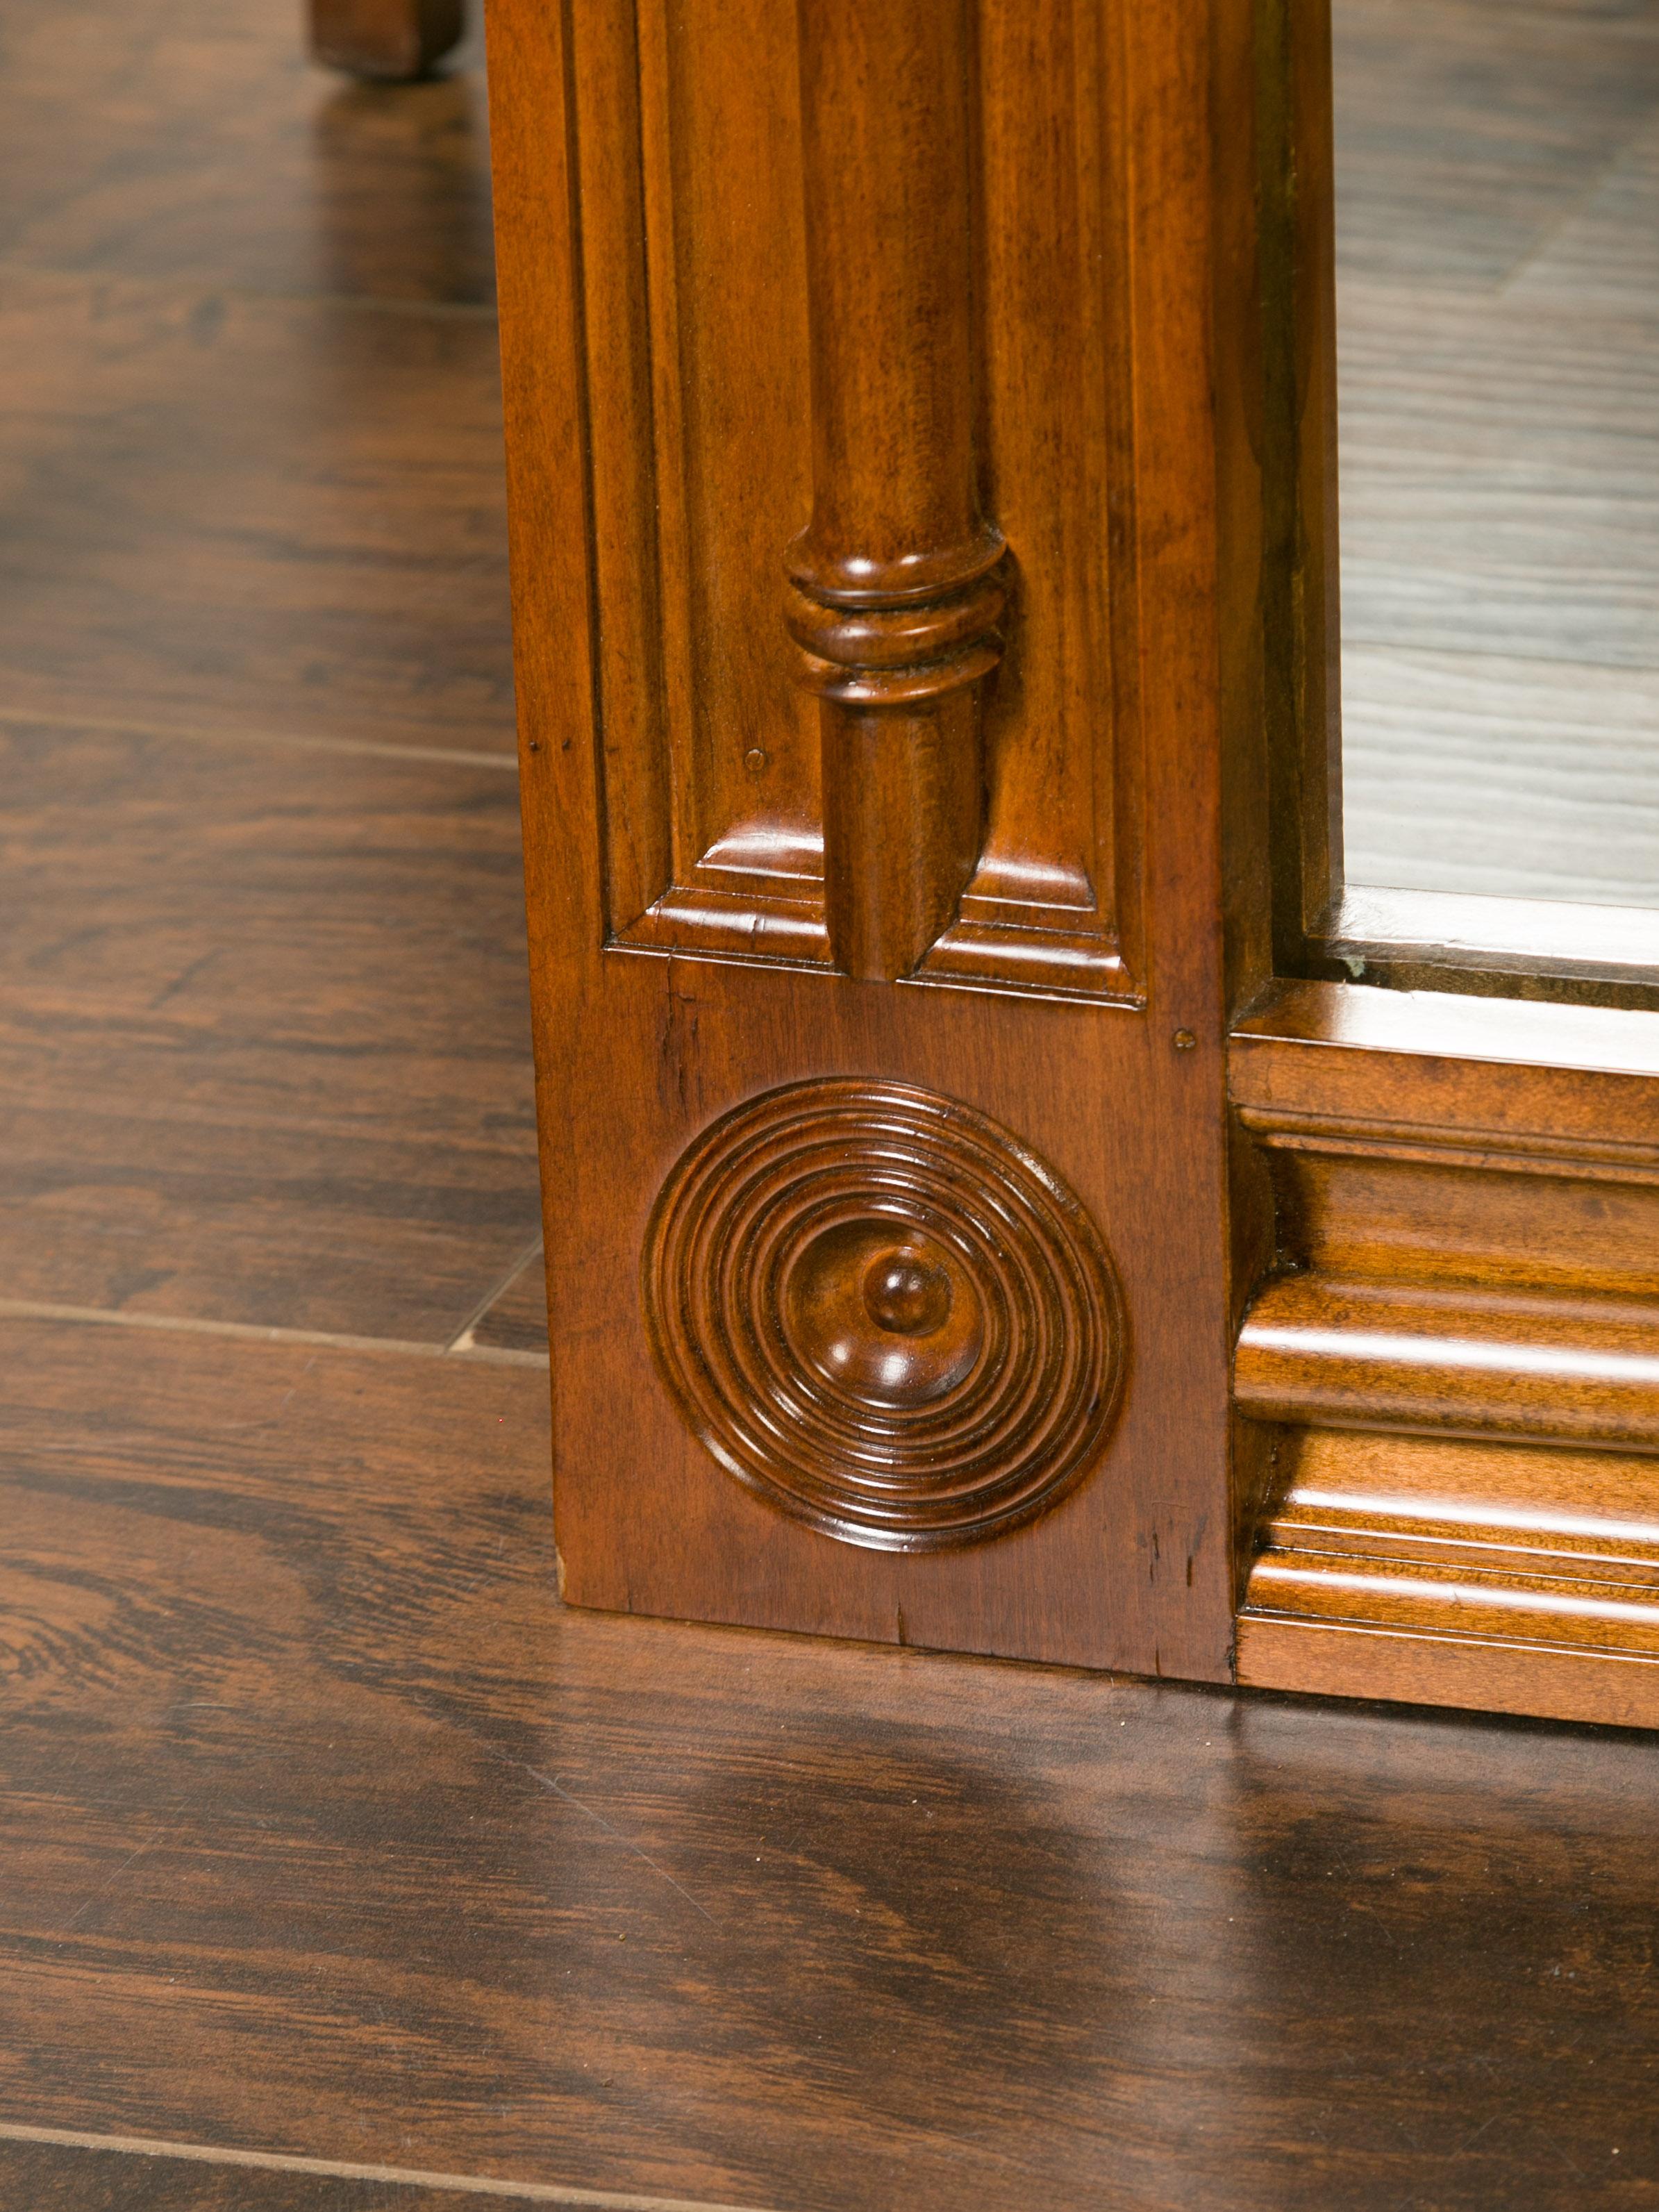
<point>1527,1580</point>
<point>751,390</point>
<point>194,578</point>
<point>1459,1351</point>
<point>1486,1362</point>
<point>1444,1359</point>
<point>940,1355</point>
<point>898,573</point>
<point>874,1387</point>
<point>335,1837</point>
<point>133,2174</point>
<point>394,39</point>
<point>286,282</point>
<point>190,1125</point>
<point>1280,214</point>
<point>1496,421</point>
<point>699,399</point>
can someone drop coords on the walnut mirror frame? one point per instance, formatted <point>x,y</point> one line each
<point>982,1211</point>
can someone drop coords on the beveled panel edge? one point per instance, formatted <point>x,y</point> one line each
<point>688,923</point>
<point>1451,1069</point>
<point>1470,943</point>
<point>1455,1362</point>
<point>1522,936</point>
<point>1330,1659</point>
<point>656,904</point>
<point>1447,1026</point>
<point>1058,961</point>
<point>1388,1340</point>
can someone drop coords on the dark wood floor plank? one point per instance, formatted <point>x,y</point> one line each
<point>48,2177</point>
<point>266,515</point>
<point>327,1832</point>
<point>128,2177</point>
<point>190,139</point>
<point>263,1030</point>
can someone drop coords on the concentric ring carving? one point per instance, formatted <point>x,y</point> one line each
<point>880,1312</point>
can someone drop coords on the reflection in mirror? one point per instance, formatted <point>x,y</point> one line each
<point>1497,320</point>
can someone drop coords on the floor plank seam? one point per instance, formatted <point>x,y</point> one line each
<point>462,1340</point>
<point>18,719</point>
<point>261,1333</point>
<point>532,2192</point>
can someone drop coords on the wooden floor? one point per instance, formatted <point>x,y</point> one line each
<point>339,1866</point>
<point>1499,336</point>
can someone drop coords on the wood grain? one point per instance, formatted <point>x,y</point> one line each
<point>273,516</point>
<point>263,1024</point>
<point>1472,1361</point>
<point>692,176</point>
<point>1527,1579</point>
<point>1457,1353</point>
<point>644,378</point>
<point>138,2176</point>
<point>328,1832</point>
<point>189,140</point>
<point>263,1032</point>
<point>897,572</point>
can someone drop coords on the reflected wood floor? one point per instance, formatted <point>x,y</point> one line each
<point>1499,353</point>
<point>343,1869</point>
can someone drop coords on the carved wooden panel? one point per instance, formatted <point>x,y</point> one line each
<point>1454,1573</point>
<point>911,461</point>
<point>1459,1354</point>
<point>971,393</point>
<point>862,443</point>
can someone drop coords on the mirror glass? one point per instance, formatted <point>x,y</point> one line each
<point>1498,332</point>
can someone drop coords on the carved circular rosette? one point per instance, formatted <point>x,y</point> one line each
<point>883,1315</point>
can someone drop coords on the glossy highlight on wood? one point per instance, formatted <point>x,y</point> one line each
<point>1459,1354</point>
<point>1453,1573</point>
<point>997,342</point>
<point>882,1314</point>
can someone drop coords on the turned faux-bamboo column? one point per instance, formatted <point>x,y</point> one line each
<point>894,596</point>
